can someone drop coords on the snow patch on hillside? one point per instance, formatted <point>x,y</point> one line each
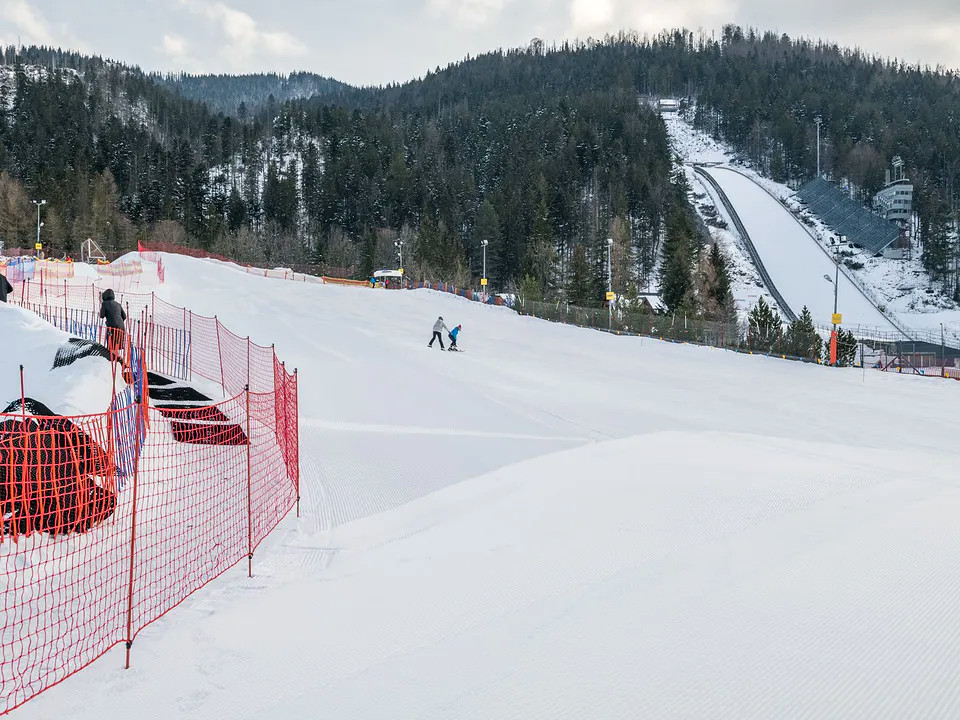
<point>8,79</point>
<point>250,174</point>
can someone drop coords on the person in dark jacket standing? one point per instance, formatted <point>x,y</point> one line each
<point>5,288</point>
<point>112,312</point>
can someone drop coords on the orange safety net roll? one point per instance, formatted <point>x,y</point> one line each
<point>64,547</point>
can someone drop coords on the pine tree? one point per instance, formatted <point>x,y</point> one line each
<point>680,248</point>
<point>676,280</point>
<point>846,348</point>
<point>936,244</point>
<point>622,259</point>
<point>16,216</point>
<point>802,339</point>
<point>541,253</point>
<point>580,283</point>
<point>766,327</point>
<point>529,290</point>
<point>720,291</point>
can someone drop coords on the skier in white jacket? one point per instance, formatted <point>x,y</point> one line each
<point>438,327</point>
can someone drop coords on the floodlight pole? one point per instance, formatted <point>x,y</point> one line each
<point>610,282</point>
<point>819,121</point>
<point>483,290</point>
<point>39,204</point>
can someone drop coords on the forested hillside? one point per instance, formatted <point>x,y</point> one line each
<point>530,154</point>
<point>543,153</point>
<point>240,95</point>
<point>761,93</point>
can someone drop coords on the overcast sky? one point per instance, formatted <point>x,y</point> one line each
<point>379,41</point>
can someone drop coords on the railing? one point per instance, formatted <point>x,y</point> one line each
<point>891,354</point>
<point>453,290</point>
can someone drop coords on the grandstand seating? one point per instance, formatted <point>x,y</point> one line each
<point>847,217</point>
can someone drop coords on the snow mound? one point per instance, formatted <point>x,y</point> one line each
<point>83,387</point>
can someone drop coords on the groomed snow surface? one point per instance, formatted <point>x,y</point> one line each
<point>558,523</point>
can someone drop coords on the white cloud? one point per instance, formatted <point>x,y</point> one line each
<point>692,14</point>
<point>174,46</point>
<point>600,16</point>
<point>28,24</point>
<point>245,39</point>
<point>469,13</point>
<point>590,15</point>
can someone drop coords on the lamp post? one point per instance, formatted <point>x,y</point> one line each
<point>819,121</point>
<point>836,281</point>
<point>39,204</point>
<point>483,280</point>
<point>399,245</point>
<point>836,288</point>
<point>610,283</point>
<point>943,354</point>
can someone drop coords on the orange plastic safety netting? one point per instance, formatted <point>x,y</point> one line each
<point>111,520</point>
<point>107,525</point>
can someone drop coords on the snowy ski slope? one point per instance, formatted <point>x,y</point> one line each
<point>564,524</point>
<point>796,263</point>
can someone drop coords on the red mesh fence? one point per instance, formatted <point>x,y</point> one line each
<point>112,520</point>
<point>175,339</point>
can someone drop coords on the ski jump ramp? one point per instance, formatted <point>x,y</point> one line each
<point>796,265</point>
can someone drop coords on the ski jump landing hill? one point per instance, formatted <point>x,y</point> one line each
<point>112,519</point>
<point>796,269</point>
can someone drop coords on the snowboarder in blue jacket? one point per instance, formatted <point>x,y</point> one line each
<point>453,337</point>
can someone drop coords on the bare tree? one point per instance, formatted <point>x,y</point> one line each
<point>168,232</point>
<point>341,252</point>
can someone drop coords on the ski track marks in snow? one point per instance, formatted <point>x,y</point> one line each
<point>468,549</point>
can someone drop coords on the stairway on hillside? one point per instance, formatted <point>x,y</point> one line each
<point>194,418</point>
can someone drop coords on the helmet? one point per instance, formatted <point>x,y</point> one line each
<point>440,318</point>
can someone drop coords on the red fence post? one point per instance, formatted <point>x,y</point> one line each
<point>153,315</point>
<point>249,493</point>
<point>223,382</point>
<point>190,347</point>
<point>296,438</point>
<point>285,445</point>
<point>133,541</point>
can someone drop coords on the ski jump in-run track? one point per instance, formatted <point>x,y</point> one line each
<point>796,269</point>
